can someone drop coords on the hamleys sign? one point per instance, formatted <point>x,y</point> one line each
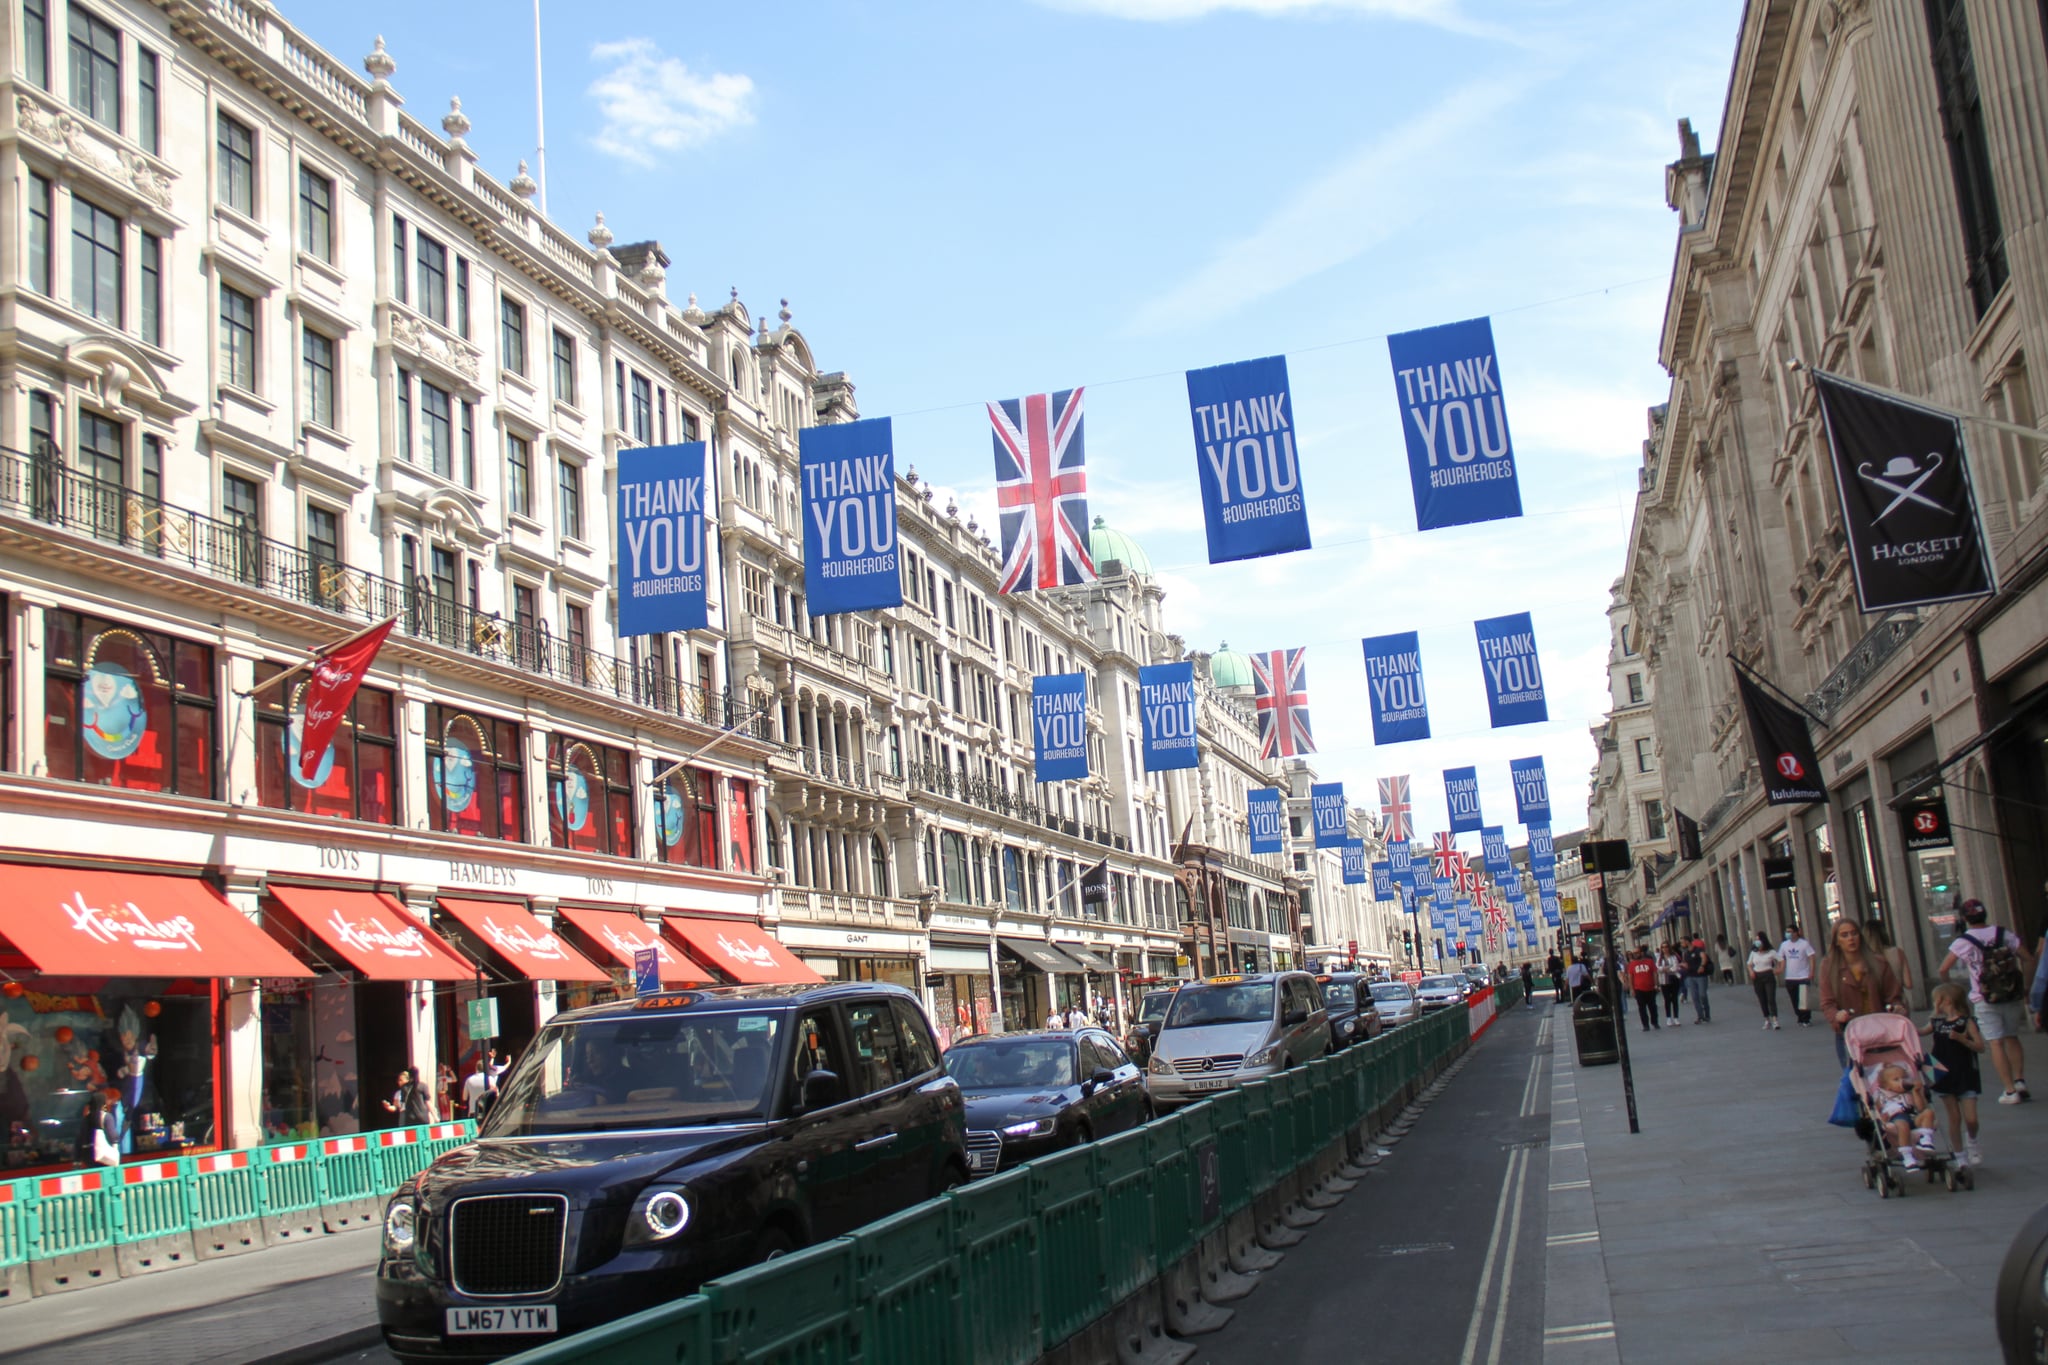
<point>517,940</point>
<point>129,923</point>
<point>371,934</point>
<point>629,943</point>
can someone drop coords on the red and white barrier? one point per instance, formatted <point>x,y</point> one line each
<point>1480,1004</point>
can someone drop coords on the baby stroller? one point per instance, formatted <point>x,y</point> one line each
<point>1880,1040</point>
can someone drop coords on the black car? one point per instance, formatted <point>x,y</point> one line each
<point>1033,1093</point>
<point>643,1147</point>
<point>1145,1032</point>
<point>1348,998</point>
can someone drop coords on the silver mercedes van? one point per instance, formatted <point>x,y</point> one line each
<point>1222,1030</point>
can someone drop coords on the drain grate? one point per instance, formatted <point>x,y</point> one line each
<point>1835,1268</point>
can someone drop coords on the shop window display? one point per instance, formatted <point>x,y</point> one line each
<point>686,818</point>
<point>127,708</point>
<point>476,780</point>
<point>741,843</point>
<point>590,797</point>
<point>355,777</point>
<point>140,1051</point>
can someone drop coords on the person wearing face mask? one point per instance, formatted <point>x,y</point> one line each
<point>1763,977</point>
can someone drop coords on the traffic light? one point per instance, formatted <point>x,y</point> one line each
<point>1407,939</point>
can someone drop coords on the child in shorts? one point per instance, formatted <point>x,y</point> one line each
<point>1908,1118</point>
<point>1957,1044</point>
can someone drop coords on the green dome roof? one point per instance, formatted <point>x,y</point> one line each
<point>1228,668</point>
<point>1105,545</point>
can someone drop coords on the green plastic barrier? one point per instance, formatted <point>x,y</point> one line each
<point>1259,1170</point>
<point>677,1333</point>
<point>290,1177</point>
<point>908,1287</point>
<point>443,1138</point>
<point>1234,1147</point>
<point>152,1199</point>
<point>74,1212</point>
<point>17,1224</point>
<point>1123,1173</point>
<point>1069,1212</point>
<point>348,1167</point>
<point>797,1308</point>
<point>1198,1135</point>
<point>402,1153</point>
<point>994,1240</point>
<point>224,1188</point>
<point>1175,1205</point>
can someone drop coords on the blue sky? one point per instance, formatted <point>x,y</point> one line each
<point>973,201</point>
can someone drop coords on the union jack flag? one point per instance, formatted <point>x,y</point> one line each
<point>1280,689</point>
<point>1394,809</point>
<point>1042,491</point>
<point>1446,859</point>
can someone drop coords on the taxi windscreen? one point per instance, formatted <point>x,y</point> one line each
<point>1242,1002</point>
<point>647,1071</point>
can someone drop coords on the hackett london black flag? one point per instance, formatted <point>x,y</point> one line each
<point>1784,747</point>
<point>1907,502</point>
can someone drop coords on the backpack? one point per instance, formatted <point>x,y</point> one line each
<point>1998,975</point>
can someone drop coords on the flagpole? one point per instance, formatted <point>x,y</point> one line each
<point>706,747</point>
<point>314,661</point>
<point>1799,366</point>
<point>1790,700</point>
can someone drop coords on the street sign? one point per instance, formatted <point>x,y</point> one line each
<point>646,971</point>
<point>483,1020</point>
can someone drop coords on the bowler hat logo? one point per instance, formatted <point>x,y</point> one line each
<point>1903,477</point>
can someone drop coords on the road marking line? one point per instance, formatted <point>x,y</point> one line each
<point>1570,1184</point>
<point>1535,1083</point>
<point>1578,1338</point>
<point>1567,1146</point>
<point>1517,1159</point>
<point>1507,1268</point>
<point>1565,1239</point>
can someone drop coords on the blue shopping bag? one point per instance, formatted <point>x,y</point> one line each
<point>1846,1110</point>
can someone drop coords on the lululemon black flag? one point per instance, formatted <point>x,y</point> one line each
<point>1784,748</point>
<point>1907,504</point>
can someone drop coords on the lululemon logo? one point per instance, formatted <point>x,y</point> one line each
<point>1925,823</point>
<point>1788,766</point>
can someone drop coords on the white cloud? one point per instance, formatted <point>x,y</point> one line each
<point>654,106</point>
<point>1345,213</point>
<point>1445,14</point>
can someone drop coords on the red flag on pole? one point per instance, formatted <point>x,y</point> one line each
<point>337,673</point>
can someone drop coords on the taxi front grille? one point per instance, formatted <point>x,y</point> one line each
<point>1221,1065</point>
<point>506,1244</point>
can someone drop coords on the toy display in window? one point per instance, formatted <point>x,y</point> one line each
<point>132,1073</point>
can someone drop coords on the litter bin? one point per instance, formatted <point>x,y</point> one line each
<point>2021,1305</point>
<point>1593,1031</point>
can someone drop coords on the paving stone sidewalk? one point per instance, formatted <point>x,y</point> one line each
<point>1735,1226</point>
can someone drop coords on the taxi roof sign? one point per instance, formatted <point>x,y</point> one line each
<point>1220,980</point>
<point>667,1000</point>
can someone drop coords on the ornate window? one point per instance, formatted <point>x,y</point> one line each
<point>686,818</point>
<point>476,774</point>
<point>128,708</point>
<point>590,797</point>
<point>356,776</point>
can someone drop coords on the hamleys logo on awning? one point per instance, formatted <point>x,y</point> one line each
<point>129,923</point>
<point>628,944</point>
<point>374,936</point>
<point>519,939</point>
<point>753,954</point>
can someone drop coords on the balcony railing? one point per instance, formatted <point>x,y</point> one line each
<point>1861,663</point>
<point>847,772</point>
<point>41,488</point>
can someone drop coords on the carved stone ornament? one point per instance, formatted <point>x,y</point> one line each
<point>416,335</point>
<point>79,144</point>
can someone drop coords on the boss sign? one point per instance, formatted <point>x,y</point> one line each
<point>1166,702</point>
<point>1393,670</point>
<point>1059,725</point>
<point>1268,815</point>
<point>1460,461</point>
<point>1246,459</point>
<point>849,476</point>
<point>660,544</point>
<point>1514,679</point>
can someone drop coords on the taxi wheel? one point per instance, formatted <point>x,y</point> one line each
<point>773,1243</point>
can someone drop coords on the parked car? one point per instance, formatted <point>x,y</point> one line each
<point>1347,998</point>
<point>1151,1010</point>
<point>1226,1029</point>
<point>1436,992</point>
<point>1395,1002</point>
<point>642,1147</point>
<point>1032,1093</point>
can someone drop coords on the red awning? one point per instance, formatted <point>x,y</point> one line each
<point>748,955</point>
<point>374,934</point>
<point>621,933</point>
<point>71,922</point>
<point>524,941</point>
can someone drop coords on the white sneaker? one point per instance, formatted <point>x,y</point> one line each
<point>1970,1152</point>
<point>1774,1023</point>
<point>2020,1087</point>
<point>2009,1097</point>
<point>1767,1023</point>
<point>1924,1139</point>
<point>1909,1158</point>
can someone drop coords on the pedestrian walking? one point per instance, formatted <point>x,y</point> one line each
<point>1554,969</point>
<point>1854,981</point>
<point>1671,980</point>
<point>1528,985</point>
<point>1642,983</point>
<point>1880,939</point>
<point>1763,977</point>
<point>1575,977</point>
<point>410,1103</point>
<point>1725,956</point>
<point>1957,1043</point>
<point>2000,967</point>
<point>1796,955</point>
<point>1699,974</point>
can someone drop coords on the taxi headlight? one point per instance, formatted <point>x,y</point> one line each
<point>1265,1056</point>
<point>1159,1066</point>
<point>398,1227</point>
<point>659,1215</point>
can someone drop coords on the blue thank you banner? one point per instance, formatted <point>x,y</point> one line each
<point>1461,795</point>
<point>659,543</point>
<point>1401,864</point>
<point>1326,803</point>
<point>1532,790</point>
<point>1059,726</point>
<point>849,477</point>
<point>1461,463</point>
<point>1166,699</point>
<point>1542,853</point>
<point>1493,849</point>
<point>1382,882</point>
<point>1354,863</point>
<point>1393,670</point>
<point>1546,885</point>
<point>1268,814</point>
<point>1514,678</point>
<point>1445,888</point>
<point>1244,452</point>
<point>1408,901</point>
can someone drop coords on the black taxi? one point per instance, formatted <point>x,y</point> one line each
<point>642,1147</point>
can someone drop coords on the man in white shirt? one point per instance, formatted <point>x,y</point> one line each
<point>1797,955</point>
